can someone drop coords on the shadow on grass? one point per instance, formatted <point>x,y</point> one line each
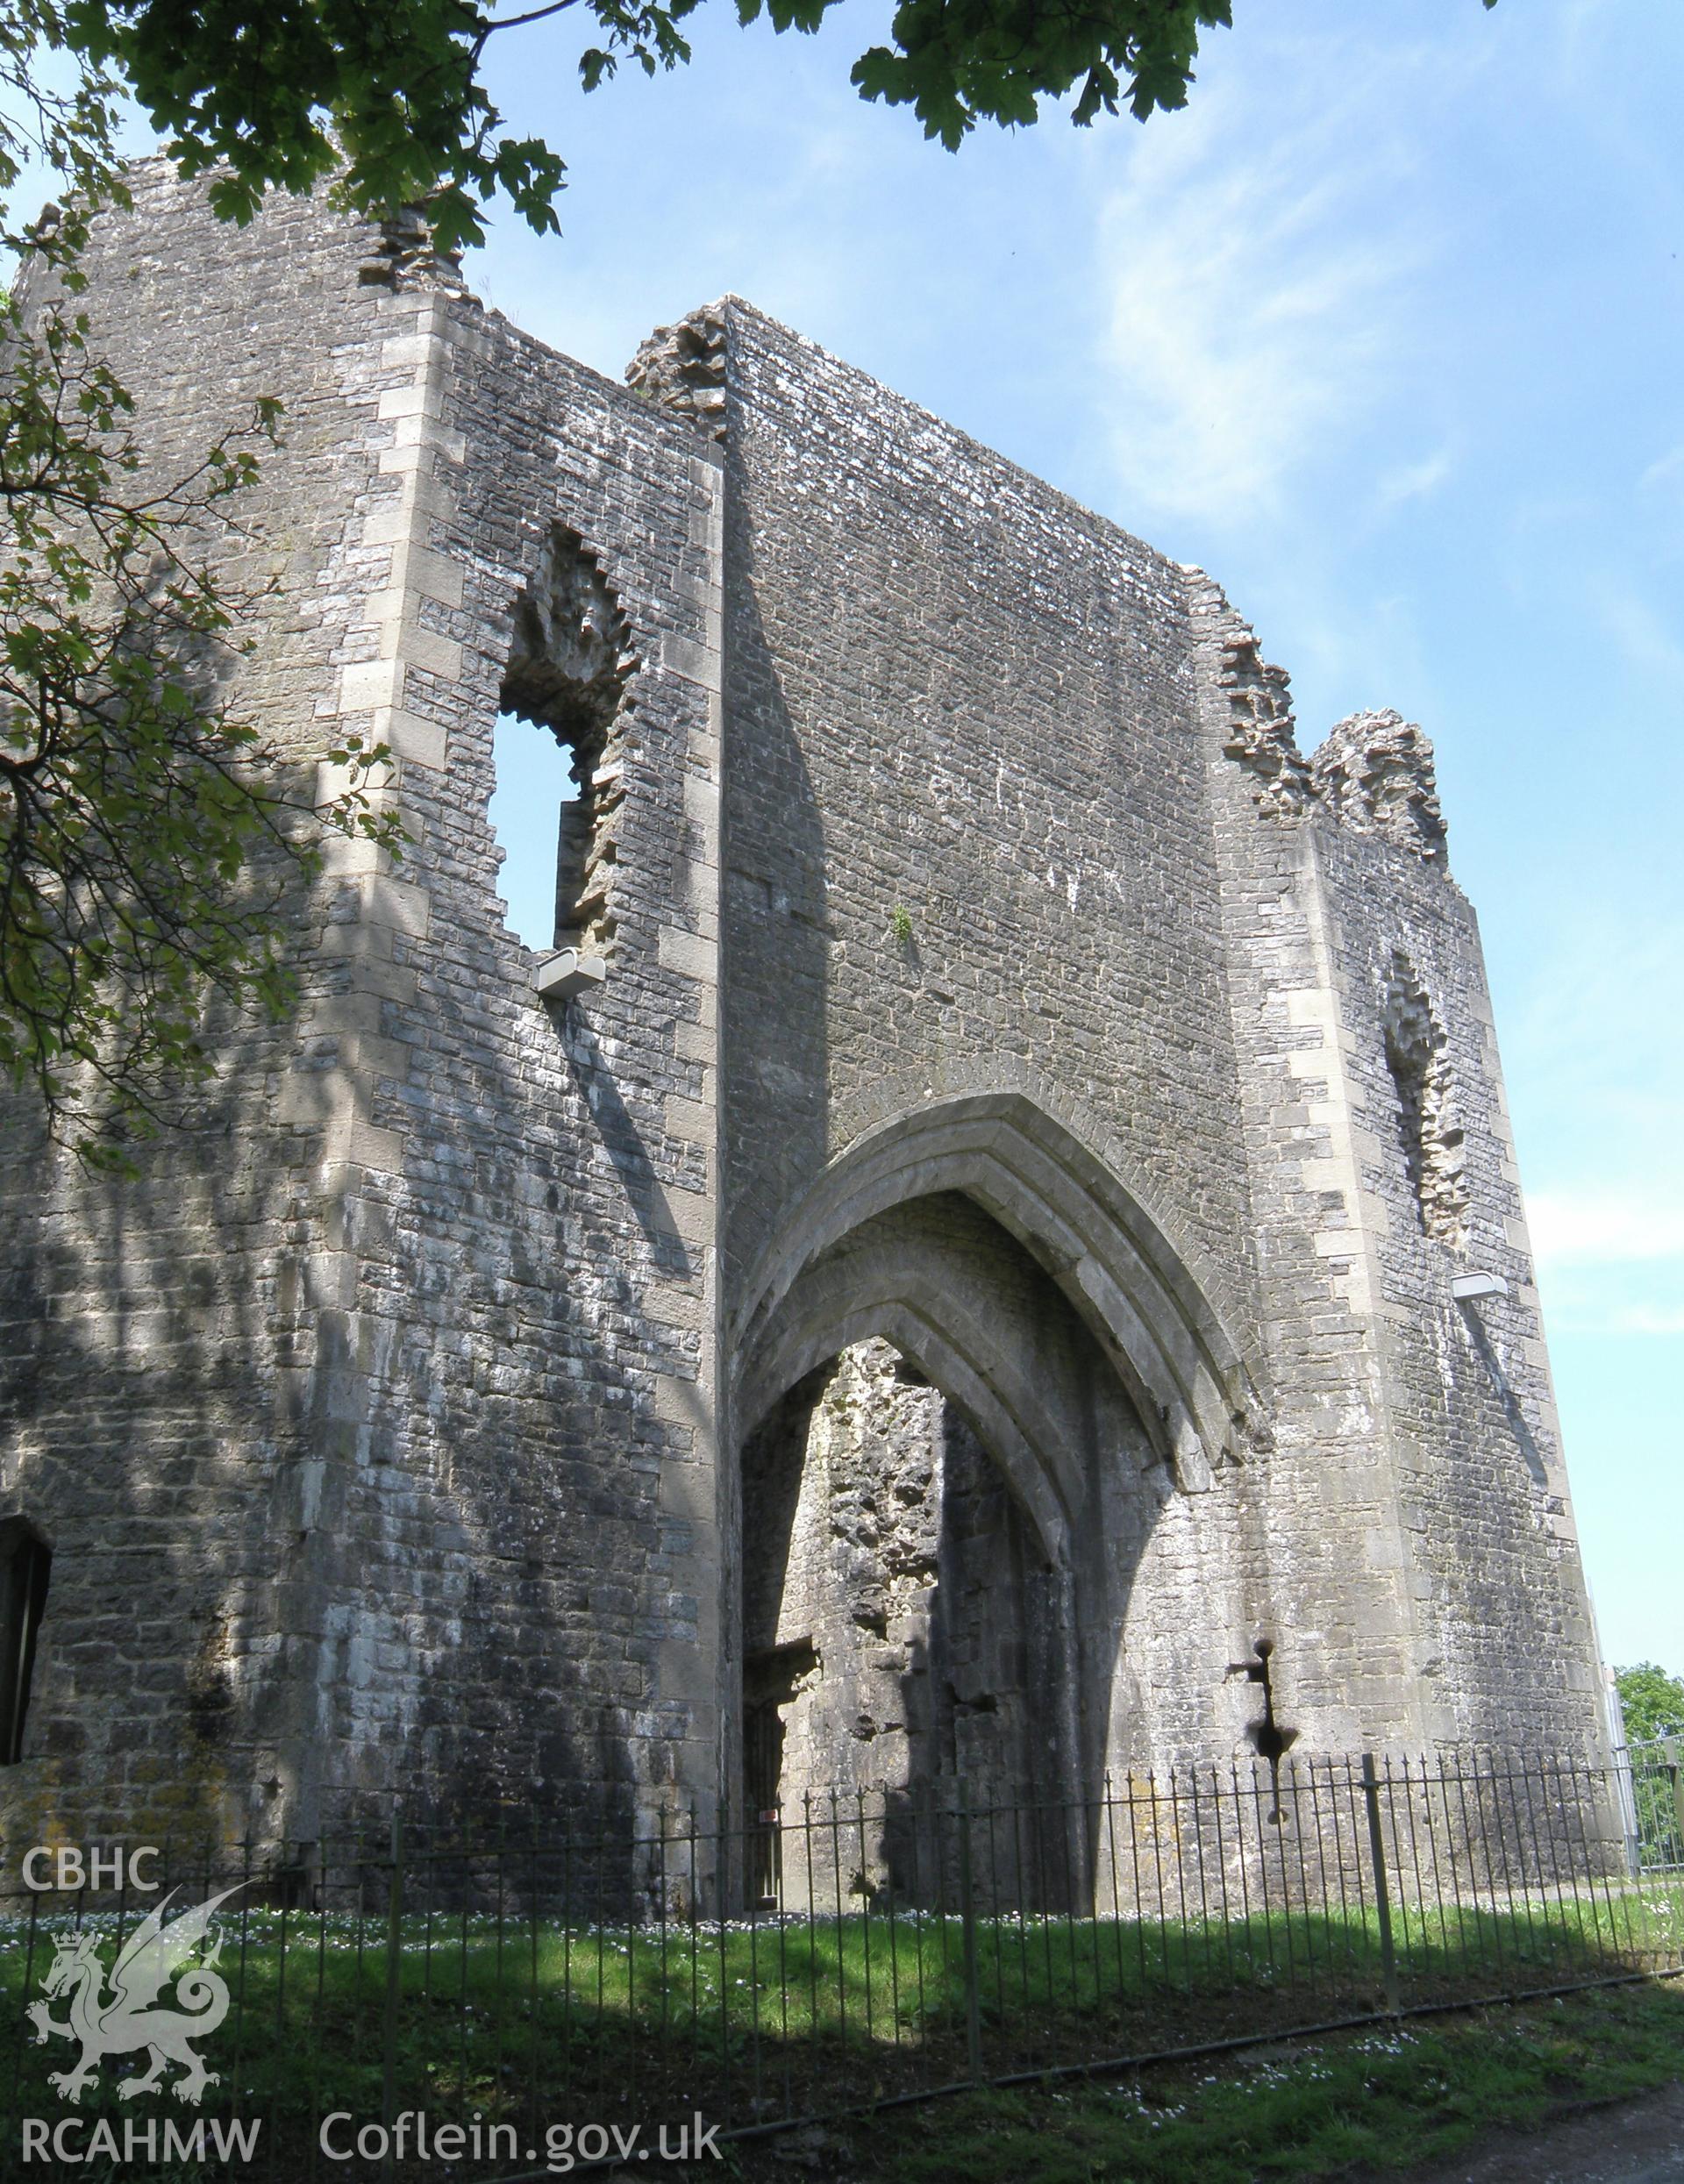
<point>525,2023</point>
<point>1360,2105</point>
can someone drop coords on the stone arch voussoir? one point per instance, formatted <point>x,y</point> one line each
<point>1136,1292</point>
<point>950,1347</point>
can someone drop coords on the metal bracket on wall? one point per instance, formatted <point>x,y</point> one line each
<point>555,977</point>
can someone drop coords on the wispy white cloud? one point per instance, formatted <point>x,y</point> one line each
<point>1665,473</point>
<point>1598,1055</point>
<point>1583,1228</point>
<point>1260,287</point>
<point>1640,1302</point>
<point>1415,481</point>
<point>1648,639</point>
<point>1596,1035</point>
<point>1643,1319</point>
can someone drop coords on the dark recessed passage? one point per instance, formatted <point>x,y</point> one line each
<point>25,1562</point>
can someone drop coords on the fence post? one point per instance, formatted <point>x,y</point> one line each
<point>1382,1901</point>
<point>967,1930</point>
<point>393,1970</point>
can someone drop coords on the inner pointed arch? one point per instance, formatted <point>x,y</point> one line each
<point>1138,1294</point>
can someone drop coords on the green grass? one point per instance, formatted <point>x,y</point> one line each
<point>1384,2100</point>
<point>747,2022</point>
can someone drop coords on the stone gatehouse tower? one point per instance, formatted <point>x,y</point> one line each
<point>963,1250</point>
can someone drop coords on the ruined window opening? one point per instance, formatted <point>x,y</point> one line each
<point>534,783</point>
<point>1428,1127</point>
<point>25,1562</point>
<point>570,666</point>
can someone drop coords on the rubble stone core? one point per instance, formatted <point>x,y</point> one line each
<point>978,1261</point>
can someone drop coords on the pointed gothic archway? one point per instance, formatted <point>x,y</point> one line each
<point>1068,1351</point>
<point>1144,1298</point>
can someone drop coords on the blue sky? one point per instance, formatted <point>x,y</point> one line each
<point>1385,330</point>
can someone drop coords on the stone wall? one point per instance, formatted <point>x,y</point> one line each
<point>1423,1574</point>
<point>879,1536</point>
<point>900,1622</point>
<point>381,1410</point>
<point>968,836</point>
<point>158,1337</point>
<point>989,984</point>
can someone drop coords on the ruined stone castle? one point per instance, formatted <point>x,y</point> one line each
<point>953,1245</point>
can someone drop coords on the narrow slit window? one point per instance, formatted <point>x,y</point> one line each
<point>25,1562</point>
<point>1428,1126</point>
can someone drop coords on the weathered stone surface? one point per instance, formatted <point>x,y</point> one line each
<point>682,366</point>
<point>1375,772</point>
<point>1431,1134</point>
<point>980,1260</point>
<point>1261,731</point>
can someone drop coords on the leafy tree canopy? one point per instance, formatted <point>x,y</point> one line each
<point>1652,1701</point>
<point>279,94</point>
<point>134,801</point>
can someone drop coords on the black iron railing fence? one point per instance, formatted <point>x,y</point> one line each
<point>1655,1775</point>
<point>511,2001</point>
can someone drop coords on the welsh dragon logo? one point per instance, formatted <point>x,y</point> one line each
<point>130,2018</point>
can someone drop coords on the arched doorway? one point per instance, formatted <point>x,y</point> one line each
<point>966,1391</point>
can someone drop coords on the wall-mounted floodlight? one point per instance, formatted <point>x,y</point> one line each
<point>1465,1287</point>
<point>555,977</point>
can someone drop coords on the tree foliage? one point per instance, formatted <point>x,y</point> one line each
<point>132,797</point>
<point>283,93</point>
<point>279,94</point>
<point>1651,1701</point>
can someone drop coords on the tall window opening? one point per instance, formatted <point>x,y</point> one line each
<point>560,751</point>
<point>1432,1135</point>
<point>25,1560</point>
<point>534,784</point>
